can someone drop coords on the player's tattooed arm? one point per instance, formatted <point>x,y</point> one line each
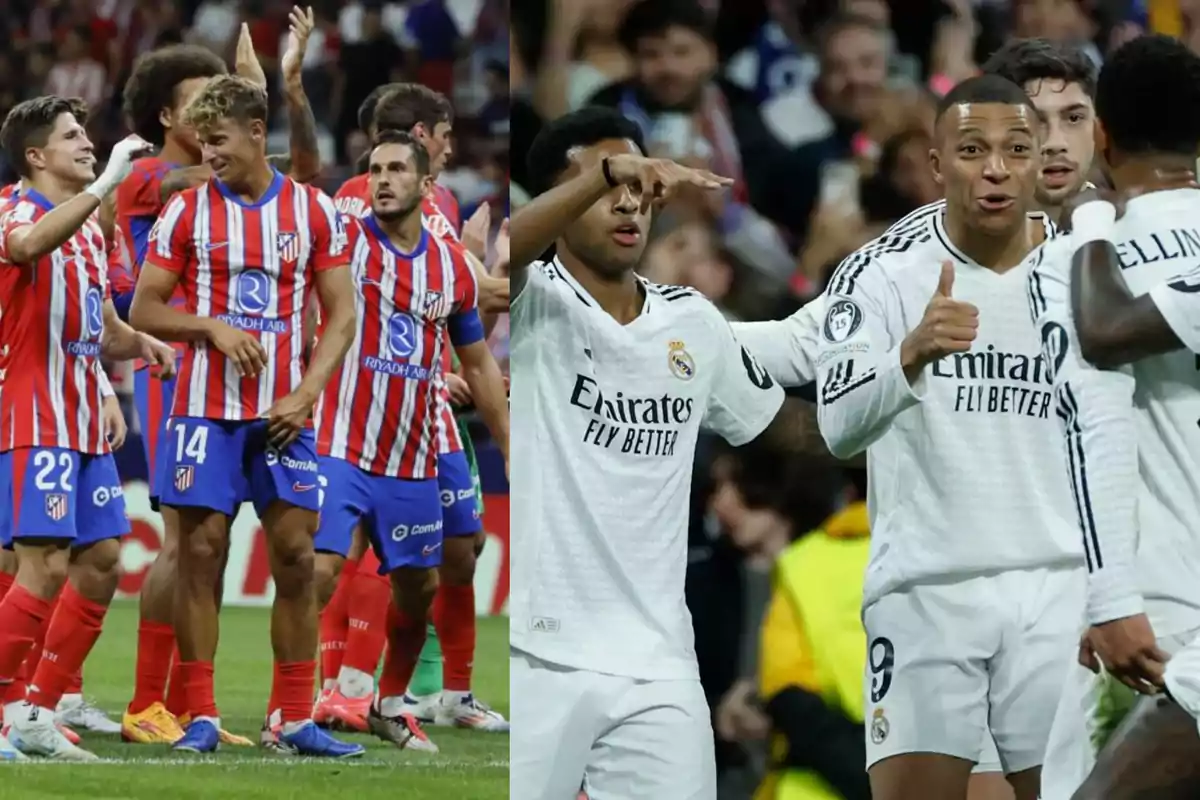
<point>302,124</point>
<point>795,430</point>
<point>183,178</point>
<point>1114,327</point>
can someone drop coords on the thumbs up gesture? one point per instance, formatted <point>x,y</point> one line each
<point>948,326</point>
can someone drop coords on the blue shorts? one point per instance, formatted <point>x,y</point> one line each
<point>217,464</point>
<point>402,517</point>
<point>55,493</point>
<point>153,398</point>
<point>460,502</point>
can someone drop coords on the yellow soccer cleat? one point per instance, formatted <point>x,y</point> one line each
<point>152,725</point>
<point>228,738</point>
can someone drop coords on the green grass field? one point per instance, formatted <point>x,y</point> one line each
<point>470,766</point>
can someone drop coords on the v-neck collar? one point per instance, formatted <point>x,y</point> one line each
<point>585,296</point>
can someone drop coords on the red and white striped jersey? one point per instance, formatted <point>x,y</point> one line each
<point>354,199</point>
<point>380,410</point>
<point>53,317</point>
<point>251,265</point>
<point>9,192</point>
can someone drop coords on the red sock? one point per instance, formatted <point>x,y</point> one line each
<point>335,623</point>
<point>6,582</point>
<point>74,682</point>
<point>156,641</point>
<point>177,699</point>
<point>292,689</point>
<point>370,595</point>
<point>197,680</point>
<point>405,640</point>
<point>73,632</point>
<point>23,618</point>
<point>454,620</point>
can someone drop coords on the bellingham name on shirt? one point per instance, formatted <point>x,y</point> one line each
<point>1159,246</point>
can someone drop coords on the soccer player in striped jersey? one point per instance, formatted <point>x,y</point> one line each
<point>378,418</point>
<point>1116,292</point>
<point>249,247</point>
<point>59,417</point>
<point>359,594</point>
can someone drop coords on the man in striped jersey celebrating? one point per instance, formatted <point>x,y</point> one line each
<point>59,418</point>
<point>248,247</point>
<point>379,416</point>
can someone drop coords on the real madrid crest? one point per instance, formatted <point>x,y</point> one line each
<point>879,726</point>
<point>680,361</point>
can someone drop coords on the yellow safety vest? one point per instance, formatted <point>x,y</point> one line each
<point>821,574</point>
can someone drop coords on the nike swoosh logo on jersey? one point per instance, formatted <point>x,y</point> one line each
<point>302,487</point>
<point>214,245</point>
<point>429,549</point>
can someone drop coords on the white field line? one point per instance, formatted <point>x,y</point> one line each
<point>258,762</point>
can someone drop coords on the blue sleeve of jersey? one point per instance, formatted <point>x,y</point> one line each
<point>466,328</point>
<point>121,302</point>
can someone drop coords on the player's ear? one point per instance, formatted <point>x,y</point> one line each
<point>35,157</point>
<point>1100,139</point>
<point>258,130</point>
<point>935,163</point>
<point>164,118</point>
<point>418,131</point>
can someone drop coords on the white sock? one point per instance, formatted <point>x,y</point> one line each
<point>329,685</point>
<point>355,684</point>
<point>69,700</point>
<point>391,706</point>
<point>453,698</point>
<point>15,711</point>
<point>216,721</point>
<point>292,727</point>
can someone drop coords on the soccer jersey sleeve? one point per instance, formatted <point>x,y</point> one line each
<point>787,348</point>
<point>169,245</point>
<point>464,324</point>
<point>1179,303</point>
<point>1095,409</point>
<point>140,194</point>
<point>330,240</point>
<point>15,216</point>
<point>861,385</point>
<point>744,398</point>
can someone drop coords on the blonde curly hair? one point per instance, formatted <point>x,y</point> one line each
<point>226,97</point>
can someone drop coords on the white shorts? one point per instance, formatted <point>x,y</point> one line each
<point>1090,709</point>
<point>620,738</point>
<point>952,667</point>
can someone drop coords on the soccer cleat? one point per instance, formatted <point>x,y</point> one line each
<point>423,707</point>
<point>70,735</point>
<point>311,741</point>
<point>200,736</point>
<point>268,737</point>
<point>471,713</point>
<point>79,713</point>
<point>226,736</point>
<point>10,753</point>
<point>152,725</point>
<point>402,730</point>
<point>335,710</point>
<point>37,735</point>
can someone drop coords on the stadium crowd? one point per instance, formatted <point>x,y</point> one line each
<point>219,102</point>
<point>822,113</point>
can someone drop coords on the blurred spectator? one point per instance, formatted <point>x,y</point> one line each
<point>76,73</point>
<point>215,25</point>
<point>364,66</point>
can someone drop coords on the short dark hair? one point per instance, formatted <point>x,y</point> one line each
<point>227,97</point>
<point>547,158</point>
<point>409,104</point>
<point>840,22</point>
<point>154,83</point>
<point>420,154</point>
<point>30,123</point>
<point>366,110</point>
<point>653,17</point>
<point>1025,60</point>
<point>985,89</point>
<point>1148,97</point>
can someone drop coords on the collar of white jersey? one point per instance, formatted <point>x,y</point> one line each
<point>562,273</point>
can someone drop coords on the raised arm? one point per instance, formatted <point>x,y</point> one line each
<point>302,124</point>
<point>787,348</point>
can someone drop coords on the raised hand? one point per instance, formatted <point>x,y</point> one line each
<point>300,26</point>
<point>948,326</point>
<point>657,180</point>
<point>475,231</point>
<point>245,62</point>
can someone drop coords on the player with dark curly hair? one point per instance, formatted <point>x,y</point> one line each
<point>1107,295</point>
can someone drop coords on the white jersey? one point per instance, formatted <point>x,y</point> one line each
<point>787,348</point>
<point>605,419</point>
<point>1142,535</point>
<point>966,477</point>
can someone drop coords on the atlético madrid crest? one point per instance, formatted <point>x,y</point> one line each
<point>435,306</point>
<point>185,476</point>
<point>56,506</point>
<point>288,245</point>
